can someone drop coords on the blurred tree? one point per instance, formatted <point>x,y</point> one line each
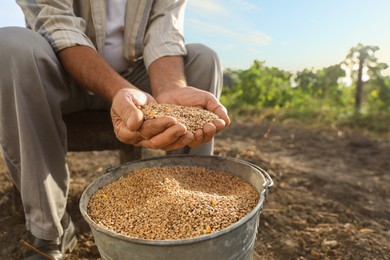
<point>378,95</point>
<point>360,59</point>
<point>258,87</point>
<point>265,86</point>
<point>229,78</point>
<point>328,84</point>
<point>307,81</point>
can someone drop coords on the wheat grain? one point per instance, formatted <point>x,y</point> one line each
<point>173,202</point>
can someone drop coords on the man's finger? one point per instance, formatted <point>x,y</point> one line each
<point>180,143</point>
<point>168,137</point>
<point>153,127</point>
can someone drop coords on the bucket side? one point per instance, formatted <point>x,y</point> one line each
<point>235,245</point>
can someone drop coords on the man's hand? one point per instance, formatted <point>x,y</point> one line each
<point>169,86</point>
<point>189,96</point>
<point>162,133</point>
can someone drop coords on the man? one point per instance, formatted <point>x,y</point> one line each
<point>95,54</point>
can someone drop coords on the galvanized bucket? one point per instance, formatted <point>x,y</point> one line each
<point>234,242</point>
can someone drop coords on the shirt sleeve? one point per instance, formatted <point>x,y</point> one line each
<point>56,21</point>
<point>164,34</point>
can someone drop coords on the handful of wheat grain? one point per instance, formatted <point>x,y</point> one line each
<point>192,117</point>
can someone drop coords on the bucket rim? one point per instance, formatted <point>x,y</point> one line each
<point>174,242</point>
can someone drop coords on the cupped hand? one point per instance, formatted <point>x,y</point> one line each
<point>190,96</point>
<point>129,126</point>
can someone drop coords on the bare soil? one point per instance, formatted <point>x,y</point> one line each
<point>330,199</point>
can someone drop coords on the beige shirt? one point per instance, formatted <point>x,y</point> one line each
<point>153,29</point>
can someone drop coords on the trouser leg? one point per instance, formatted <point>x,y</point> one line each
<point>34,92</point>
<point>203,71</point>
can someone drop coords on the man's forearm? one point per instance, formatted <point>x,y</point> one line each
<point>89,70</point>
<point>167,73</point>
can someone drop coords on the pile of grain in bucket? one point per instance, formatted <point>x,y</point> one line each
<point>192,117</point>
<point>172,202</point>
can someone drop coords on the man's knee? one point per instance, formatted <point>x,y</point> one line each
<point>14,39</point>
<point>203,55</point>
<point>18,43</point>
<point>203,69</point>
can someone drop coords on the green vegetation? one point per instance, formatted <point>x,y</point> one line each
<point>316,97</point>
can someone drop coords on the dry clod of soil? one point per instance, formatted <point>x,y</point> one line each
<point>172,202</point>
<point>192,117</point>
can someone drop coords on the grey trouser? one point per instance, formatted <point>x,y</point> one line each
<point>34,94</point>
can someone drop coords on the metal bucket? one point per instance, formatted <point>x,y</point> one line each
<point>234,242</point>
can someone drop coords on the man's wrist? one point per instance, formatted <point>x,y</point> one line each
<point>162,90</point>
<point>117,88</point>
<point>167,74</point>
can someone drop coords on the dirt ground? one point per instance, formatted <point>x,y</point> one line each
<point>330,199</point>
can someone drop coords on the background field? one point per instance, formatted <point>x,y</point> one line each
<point>330,199</point>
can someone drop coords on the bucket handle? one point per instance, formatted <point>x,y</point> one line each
<point>269,182</point>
